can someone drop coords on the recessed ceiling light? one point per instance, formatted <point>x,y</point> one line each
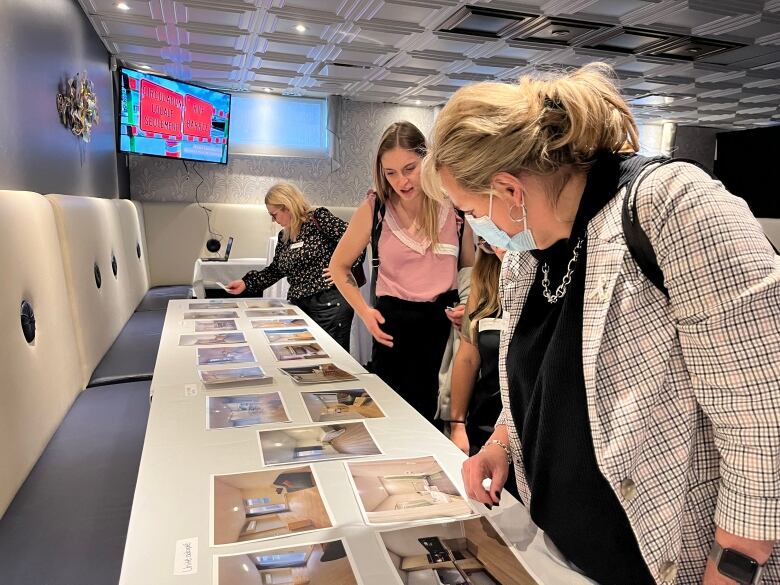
<point>145,67</point>
<point>245,567</point>
<point>122,6</point>
<point>417,102</point>
<point>300,28</point>
<point>560,32</point>
<point>235,508</point>
<point>267,90</point>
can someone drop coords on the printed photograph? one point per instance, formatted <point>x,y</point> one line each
<point>278,323</point>
<point>271,313</point>
<point>264,304</point>
<point>254,375</point>
<point>405,490</point>
<point>215,325</point>
<point>316,443</point>
<point>225,355</point>
<point>302,351</point>
<point>323,563</point>
<point>213,339</point>
<point>335,405</point>
<point>245,410</point>
<point>289,335</point>
<point>266,504</point>
<point>318,374</point>
<point>213,305</point>
<point>469,552</point>
<point>211,315</point>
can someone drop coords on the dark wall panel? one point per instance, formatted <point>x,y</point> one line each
<point>42,42</point>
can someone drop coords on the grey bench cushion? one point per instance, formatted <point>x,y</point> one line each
<point>134,352</point>
<point>156,299</point>
<point>67,524</point>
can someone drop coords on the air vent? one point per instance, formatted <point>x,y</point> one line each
<point>692,49</point>
<point>558,31</point>
<point>485,22</point>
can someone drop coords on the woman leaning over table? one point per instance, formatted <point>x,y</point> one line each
<point>420,252</point>
<point>645,431</point>
<point>302,254</point>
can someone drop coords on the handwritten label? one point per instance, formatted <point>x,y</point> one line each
<point>186,558</point>
<point>190,390</point>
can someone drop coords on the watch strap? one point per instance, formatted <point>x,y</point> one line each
<point>717,551</point>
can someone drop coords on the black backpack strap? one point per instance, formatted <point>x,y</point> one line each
<point>636,238</point>
<point>377,218</point>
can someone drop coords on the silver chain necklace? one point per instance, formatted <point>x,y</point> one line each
<point>561,290</point>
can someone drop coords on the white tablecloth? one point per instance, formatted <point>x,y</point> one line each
<point>205,274</point>
<point>172,497</point>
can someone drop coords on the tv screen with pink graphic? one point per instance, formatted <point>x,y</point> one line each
<point>160,116</point>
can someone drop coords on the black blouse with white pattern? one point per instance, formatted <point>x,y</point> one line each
<point>302,264</point>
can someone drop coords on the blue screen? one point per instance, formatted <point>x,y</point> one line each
<point>164,117</point>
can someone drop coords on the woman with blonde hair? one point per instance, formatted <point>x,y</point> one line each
<point>418,254</point>
<point>639,370</point>
<point>307,240</point>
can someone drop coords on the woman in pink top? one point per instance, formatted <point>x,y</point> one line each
<point>420,253</point>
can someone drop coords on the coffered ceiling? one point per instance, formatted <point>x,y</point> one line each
<point>707,62</point>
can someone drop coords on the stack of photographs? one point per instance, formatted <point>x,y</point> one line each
<point>225,355</point>
<point>244,410</point>
<point>318,374</point>
<point>231,376</point>
<point>213,339</point>
<point>298,351</point>
<point>215,325</point>
<point>210,315</point>
<point>216,304</point>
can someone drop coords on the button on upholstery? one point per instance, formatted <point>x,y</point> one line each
<point>628,489</point>
<point>668,571</point>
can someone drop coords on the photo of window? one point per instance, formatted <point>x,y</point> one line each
<point>258,505</point>
<point>316,443</point>
<point>404,490</point>
<point>335,405</point>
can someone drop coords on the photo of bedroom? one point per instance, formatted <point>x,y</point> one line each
<point>404,490</point>
<point>316,443</point>
<point>325,563</point>
<point>335,405</point>
<point>230,412</point>
<point>469,552</point>
<point>266,504</point>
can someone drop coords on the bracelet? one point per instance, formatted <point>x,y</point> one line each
<point>452,421</point>
<point>501,444</point>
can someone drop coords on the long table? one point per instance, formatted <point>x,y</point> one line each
<point>171,516</point>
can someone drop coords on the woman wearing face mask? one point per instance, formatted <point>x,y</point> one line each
<point>645,430</point>
<point>419,250</point>
<point>302,254</point>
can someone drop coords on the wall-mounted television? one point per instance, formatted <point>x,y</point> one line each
<point>160,116</point>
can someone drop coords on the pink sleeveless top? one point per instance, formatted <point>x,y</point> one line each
<point>410,269</point>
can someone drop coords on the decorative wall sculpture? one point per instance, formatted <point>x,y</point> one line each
<point>78,106</point>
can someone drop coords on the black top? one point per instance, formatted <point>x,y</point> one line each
<point>302,265</point>
<point>485,404</point>
<point>571,500</point>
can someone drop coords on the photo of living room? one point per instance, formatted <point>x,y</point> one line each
<point>229,412</point>
<point>469,552</point>
<point>325,563</point>
<point>266,504</point>
<point>316,443</point>
<point>404,490</point>
<point>335,405</point>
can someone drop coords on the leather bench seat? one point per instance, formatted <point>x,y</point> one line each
<point>156,299</point>
<point>67,524</point>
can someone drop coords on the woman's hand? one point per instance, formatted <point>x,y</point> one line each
<point>327,276</point>
<point>490,463</point>
<point>372,320</point>
<point>456,315</point>
<point>236,287</point>
<point>459,437</point>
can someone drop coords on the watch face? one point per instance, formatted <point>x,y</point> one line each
<point>739,567</point>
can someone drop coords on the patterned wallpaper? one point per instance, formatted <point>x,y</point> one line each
<point>245,179</point>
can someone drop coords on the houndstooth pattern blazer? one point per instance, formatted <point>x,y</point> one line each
<point>683,395</point>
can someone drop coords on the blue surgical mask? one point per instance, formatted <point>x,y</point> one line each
<point>490,232</point>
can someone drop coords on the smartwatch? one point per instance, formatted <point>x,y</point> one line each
<point>735,565</point>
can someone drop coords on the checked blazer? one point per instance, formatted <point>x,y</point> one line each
<point>683,394</point>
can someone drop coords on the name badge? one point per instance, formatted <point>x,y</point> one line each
<point>489,324</point>
<point>448,249</point>
<point>296,245</point>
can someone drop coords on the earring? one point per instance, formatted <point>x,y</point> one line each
<point>525,213</point>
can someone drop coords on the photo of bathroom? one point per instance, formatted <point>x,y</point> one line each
<point>469,552</point>
<point>316,443</point>
<point>404,490</point>
<point>266,504</point>
<point>325,563</point>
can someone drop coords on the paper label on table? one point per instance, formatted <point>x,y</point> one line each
<point>186,559</point>
<point>296,245</point>
<point>447,249</point>
<point>190,390</point>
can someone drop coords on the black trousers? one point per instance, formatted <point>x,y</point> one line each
<point>411,367</point>
<point>331,312</point>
